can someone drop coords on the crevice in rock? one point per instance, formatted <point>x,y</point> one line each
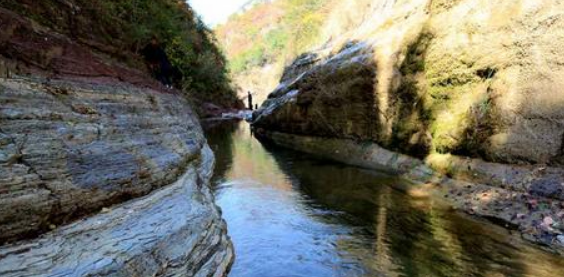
<point>559,158</point>
<point>210,249</point>
<point>486,73</point>
<point>22,160</point>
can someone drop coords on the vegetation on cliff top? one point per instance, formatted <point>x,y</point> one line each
<point>121,28</point>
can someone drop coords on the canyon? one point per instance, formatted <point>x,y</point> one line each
<point>462,96</point>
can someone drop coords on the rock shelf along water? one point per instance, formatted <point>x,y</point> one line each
<point>294,214</point>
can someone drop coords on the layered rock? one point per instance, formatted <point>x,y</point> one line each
<point>103,172</point>
<point>70,149</point>
<point>470,87</point>
<point>175,231</point>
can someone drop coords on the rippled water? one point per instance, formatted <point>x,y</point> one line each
<point>292,215</point>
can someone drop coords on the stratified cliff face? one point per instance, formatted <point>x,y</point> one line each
<point>473,88</point>
<point>102,173</point>
<point>70,149</point>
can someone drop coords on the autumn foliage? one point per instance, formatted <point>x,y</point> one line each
<point>272,32</point>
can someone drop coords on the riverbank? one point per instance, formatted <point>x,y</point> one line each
<point>515,197</point>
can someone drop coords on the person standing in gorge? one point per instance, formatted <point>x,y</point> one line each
<point>158,62</point>
<point>250,99</point>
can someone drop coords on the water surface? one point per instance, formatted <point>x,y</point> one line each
<point>290,214</point>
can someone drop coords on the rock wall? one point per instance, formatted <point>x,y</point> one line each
<point>175,231</point>
<point>70,149</point>
<point>470,77</point>
<point>103,172</point>
<point>471,88</point>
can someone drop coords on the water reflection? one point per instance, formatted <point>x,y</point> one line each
<point>292,215</point>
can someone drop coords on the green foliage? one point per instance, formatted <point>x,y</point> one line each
<point>277,40</point>
<point>252,57</point>
<point>189,43</point>
<point>305,17</point>
<point>294,32</point>
<point>124,27</point>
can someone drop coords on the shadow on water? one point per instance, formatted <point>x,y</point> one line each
<point>293,215</point>
<point>223,147</point>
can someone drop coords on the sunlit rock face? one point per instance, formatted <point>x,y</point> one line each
<point>70,149</point>
<point>472,88</point>
<point>468,77</point>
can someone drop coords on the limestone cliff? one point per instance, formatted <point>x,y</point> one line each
<point>472,87</point>
<point>102,171</point>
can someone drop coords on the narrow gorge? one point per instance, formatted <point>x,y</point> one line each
<point>278,138</point>
<point>462,96</point>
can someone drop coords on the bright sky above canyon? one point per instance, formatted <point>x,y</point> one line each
<point>216,11</point>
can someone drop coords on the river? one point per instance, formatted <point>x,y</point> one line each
<point>292,215</point>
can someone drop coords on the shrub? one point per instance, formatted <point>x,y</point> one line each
<point>120,28</point>
<point>272,32</point>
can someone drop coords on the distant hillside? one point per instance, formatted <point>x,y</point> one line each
<point>260,41</point>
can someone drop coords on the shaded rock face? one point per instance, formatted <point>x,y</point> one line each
<point>172,232</point>
<point>70,149</point>
<point>464,77</point>
<point>332,100</point>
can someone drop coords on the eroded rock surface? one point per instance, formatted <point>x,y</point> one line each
<point>103,172</point>
<point>473,78</point>
<point>471,88</point>
<point>172,232</point>
<point>70,149</point>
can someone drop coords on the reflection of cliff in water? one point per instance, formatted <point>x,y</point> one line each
<point>220,138</point>
<point>246,158</point>
<point>297,215</point>
<point>406,236</point>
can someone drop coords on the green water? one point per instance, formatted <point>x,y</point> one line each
<point>290,214</point>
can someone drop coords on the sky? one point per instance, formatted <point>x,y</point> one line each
<point>216,11</point>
